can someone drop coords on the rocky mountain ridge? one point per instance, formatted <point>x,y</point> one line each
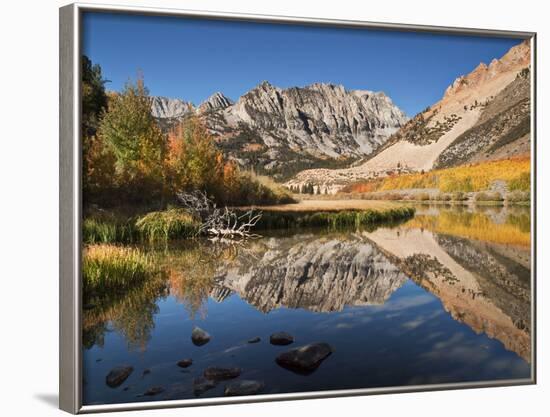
<point>300,272</point>
<point>450,132</point>
<point>271,128</point>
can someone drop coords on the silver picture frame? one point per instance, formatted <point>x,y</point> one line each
<point>70,203</point>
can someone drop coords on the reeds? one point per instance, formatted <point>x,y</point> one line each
<point>332,219</point>
<point>154,226</point>
<point>108,268</point>
<point>165,225</point>
<point>108,230</point>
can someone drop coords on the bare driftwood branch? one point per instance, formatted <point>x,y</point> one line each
<point>197,203</point>
<point>219,222</point>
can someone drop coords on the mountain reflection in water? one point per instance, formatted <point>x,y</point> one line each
<point>394,303</point>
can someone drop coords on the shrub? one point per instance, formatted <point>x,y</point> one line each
<point>253,189</point>
<point>169,224</point>
<point>459,196</point>
<point>443,197</point>
<point>108,268</point>
<point>423,197</point>
<point>391,196</point>
<point>518,196</point>
<point>521,183</point>
<point>488,196</point>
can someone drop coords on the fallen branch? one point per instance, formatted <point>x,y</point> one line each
<point>219,222</point>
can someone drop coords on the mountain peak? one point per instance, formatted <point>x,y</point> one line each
<point>325,87</point>
<point>215,102</point>
<point>265,85</point>
<point>166,107</point>
<point>516,58</point>
<point>519,55</point>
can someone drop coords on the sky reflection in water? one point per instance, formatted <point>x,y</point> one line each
<point>425,302</point>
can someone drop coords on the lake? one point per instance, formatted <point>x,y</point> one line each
<point>443,297</point>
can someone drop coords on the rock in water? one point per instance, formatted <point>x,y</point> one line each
<point>153,391</point>
<point>201,385</point>
<point>304,359</point>
<point>217,373</point>
<point>185,363</point>
<point>281,339</point>
<point>118,375</point>
<point>199,337</point>
<point>244,387</point>
<point>254,340</point>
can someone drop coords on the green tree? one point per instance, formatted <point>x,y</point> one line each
<point>97,160</point>
<point>132,134</point>
<point>94,98</point>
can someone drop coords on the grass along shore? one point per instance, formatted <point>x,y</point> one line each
<point>503,180</point>
<point>110,227</point>
<point>177,223</point>
<point>110,268</point>
<point>334,219</point>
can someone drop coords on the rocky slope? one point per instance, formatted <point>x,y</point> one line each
<point>501,130</point>
<point>479,114</point>
<point>278,131</point>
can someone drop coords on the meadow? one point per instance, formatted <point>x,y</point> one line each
<point>514,172</point>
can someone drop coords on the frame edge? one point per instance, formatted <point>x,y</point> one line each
<point>69,393</point>
<point>70,364</point>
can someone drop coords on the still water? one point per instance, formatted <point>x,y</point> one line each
<point>443,297</point>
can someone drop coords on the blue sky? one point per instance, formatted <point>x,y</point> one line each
<point>191,59</point>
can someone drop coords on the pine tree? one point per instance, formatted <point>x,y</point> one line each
<point>98,163</point>
<point>94,98</point>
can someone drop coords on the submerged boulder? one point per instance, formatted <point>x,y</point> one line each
<point>153,391</point>
<point>199,337</point>
<point>254,340</point>
<point>185,363</point>
<point>281,339</point>
<point>244,387</point>
<point>217,373</point>
<point>118,375</point>
<point>304,359</point>
<point>201,385</point>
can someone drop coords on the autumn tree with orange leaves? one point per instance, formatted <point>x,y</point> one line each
<point>195,163</point>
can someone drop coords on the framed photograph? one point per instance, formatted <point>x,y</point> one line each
<point>259,208</point>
